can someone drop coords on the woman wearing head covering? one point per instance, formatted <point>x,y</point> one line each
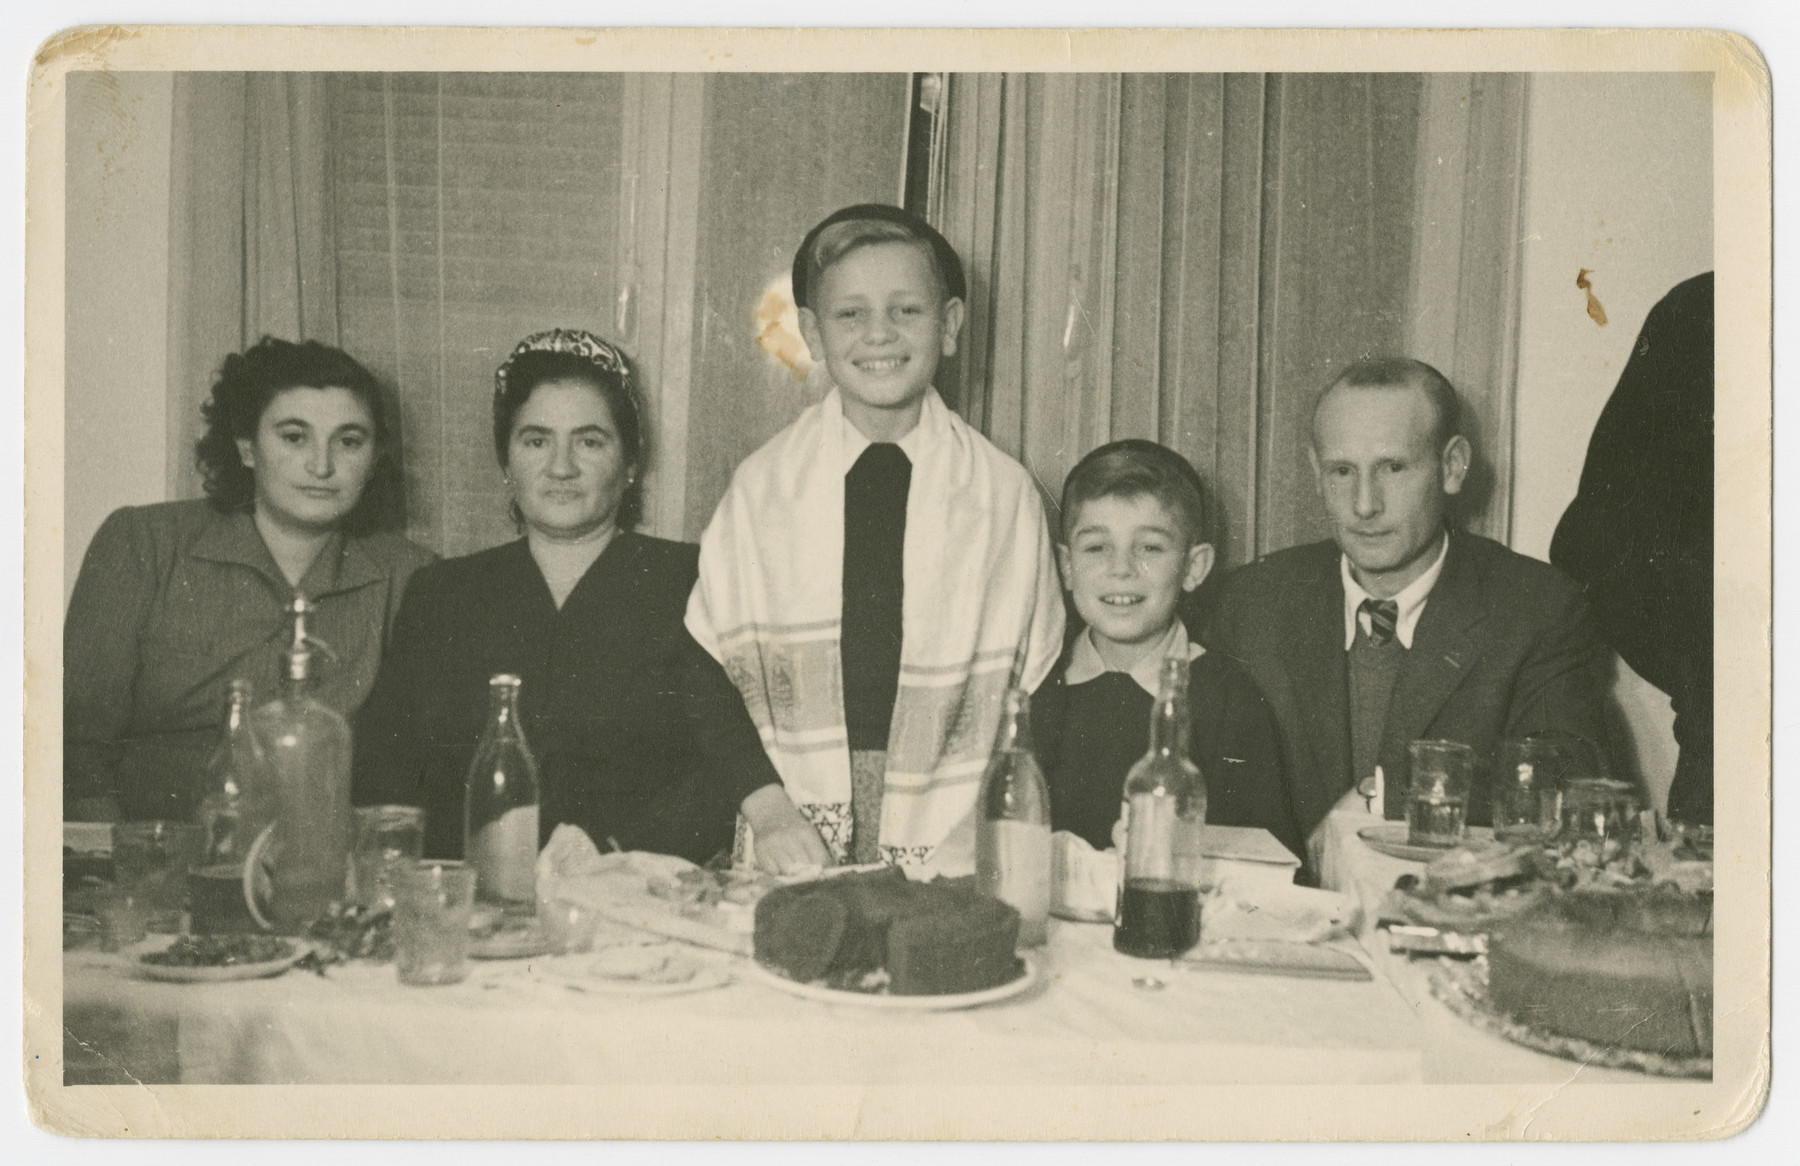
<point>640,738</point>
<point>176,600</point>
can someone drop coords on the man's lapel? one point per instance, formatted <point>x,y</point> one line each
<point>1321,680</point>
<point>1444,650</point>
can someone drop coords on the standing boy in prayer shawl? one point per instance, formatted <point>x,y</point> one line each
<point>878,573</point>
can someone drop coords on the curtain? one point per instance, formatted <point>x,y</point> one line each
<point>428,222</point>
<point>473,210</point>
<point>1189,258</point>
<point>250,233</point>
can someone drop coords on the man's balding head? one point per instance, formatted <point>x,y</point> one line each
<point>1398,372</point>
<point>1387,457</point>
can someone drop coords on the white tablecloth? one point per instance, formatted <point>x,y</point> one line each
<point>1084,1023</point>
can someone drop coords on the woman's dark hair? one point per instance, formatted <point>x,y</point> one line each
<point>248,382</point>
<point>524,372</point>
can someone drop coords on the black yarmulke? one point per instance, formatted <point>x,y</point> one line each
<point>948,264</point>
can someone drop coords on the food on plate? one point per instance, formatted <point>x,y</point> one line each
<point>1679,861</point>
<point>1472,887</point>
<point>353,932</point>
<point>220,951</point>
<point>721,898</point>
<point>658,963</point>
<point>879,932</point>
<point>1623,968</point>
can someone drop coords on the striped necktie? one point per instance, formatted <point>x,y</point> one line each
<point>1384,618</point>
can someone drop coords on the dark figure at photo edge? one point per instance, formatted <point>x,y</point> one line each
<point>1133,545</point>
<point>176,600</point>
<point>1639,534</point>
<point>640,738</point>
<point>1399,627</point>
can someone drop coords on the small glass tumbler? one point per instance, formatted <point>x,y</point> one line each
<point>1599,821</point>
<point>432,901</point>
<point>151,861</point>
<point>1527,787</point>
<point>1437,808</point>
<point>568,925</point>
<point>387,837</point>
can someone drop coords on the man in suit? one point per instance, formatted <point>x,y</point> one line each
<point>1400,628</point>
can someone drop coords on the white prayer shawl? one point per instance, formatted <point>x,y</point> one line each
<point>981,610</point>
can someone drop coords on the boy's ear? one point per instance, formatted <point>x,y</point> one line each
<point>954,314</point>
<point>1066,564</point>
<point>1199,565</point>
<point>809,331</point>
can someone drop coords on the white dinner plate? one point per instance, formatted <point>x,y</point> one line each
<point>1389,838</point>
<point>593,972</point>
<point>190,974</point>
<point>880,1002</point>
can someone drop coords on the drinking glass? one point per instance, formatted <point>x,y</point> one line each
<point>151,861</point>
<point>1599,821</point>
<point>1438,807</point>
<point>432,901</point>
<point>387,837</point>
<point>1527,787</point>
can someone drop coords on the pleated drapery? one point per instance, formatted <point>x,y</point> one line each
<point>251,240</point>
<point>1190,258</point>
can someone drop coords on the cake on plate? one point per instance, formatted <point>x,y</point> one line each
<point>880,932</point>
<point>1621,968</point>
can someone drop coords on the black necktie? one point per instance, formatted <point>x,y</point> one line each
<point>875,492</point>
<point>1384,617</point>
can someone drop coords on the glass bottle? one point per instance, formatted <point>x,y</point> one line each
<point>1012,840</point>
<point>308,748</point>
<point>235,774</point>
<point>234,788</point>
<point>1164,810</point>
<point>500,822</point>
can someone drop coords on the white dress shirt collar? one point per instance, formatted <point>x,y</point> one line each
<point>1085,662</point>
<point>1411,599</point>
<point>912,445</point>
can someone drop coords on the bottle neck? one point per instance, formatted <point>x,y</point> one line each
<point>503,710</point>
<point>237,713</point>
<point>1015,724</point>
<point>1169,718</point>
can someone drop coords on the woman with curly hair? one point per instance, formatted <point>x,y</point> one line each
<point>176,600</point>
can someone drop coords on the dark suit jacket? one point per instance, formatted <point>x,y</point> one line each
<point>1639,533</point>
<point>1505,647</point>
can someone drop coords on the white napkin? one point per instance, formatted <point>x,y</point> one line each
<point>1239,910</point>
<point>1084,882</point>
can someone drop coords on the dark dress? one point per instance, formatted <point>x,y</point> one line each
<point>1089,735</point>
<point>639,736</point>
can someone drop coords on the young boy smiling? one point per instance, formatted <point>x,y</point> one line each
<point>1133,545</point>
<point>878,573</point>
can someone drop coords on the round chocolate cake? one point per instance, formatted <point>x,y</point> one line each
<point>880,932</point>
<point>1627,969</point>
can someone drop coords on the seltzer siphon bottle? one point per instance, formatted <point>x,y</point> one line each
<point>500,823</point>
<point>1164,810</point>
<point>1012,841</point>
<point>308,748</point>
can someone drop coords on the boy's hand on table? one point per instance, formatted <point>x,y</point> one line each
<point>785,841</point>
